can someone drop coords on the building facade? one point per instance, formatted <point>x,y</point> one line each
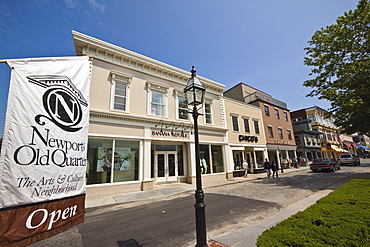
<point>308,141</point>
<point>140,131</point>
<point>362,145</point>
<point>276,120</point>
<point>246,136</point>
<point>322,122</point>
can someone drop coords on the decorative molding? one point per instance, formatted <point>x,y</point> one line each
<point>223,112</point>
<point>111,53</point>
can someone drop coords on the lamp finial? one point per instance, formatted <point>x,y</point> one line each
<point>193,72</point>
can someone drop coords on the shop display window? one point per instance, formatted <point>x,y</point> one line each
<point>211,159</point>
<point>238,160</point>
<point>204,159</point>
<point>126,161</point>
<point>217,159</point>
<point>103,154</point>
<point>180,160</point>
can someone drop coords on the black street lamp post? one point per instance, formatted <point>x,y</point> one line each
<point>194,91</point>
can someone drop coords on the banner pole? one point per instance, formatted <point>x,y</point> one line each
<point>2,61</point>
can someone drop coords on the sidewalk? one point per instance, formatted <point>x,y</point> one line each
<point>165,190</point>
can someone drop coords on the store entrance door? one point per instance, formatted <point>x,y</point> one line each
<point>166,166</point>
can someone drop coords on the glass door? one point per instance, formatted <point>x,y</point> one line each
<point>166,166</point>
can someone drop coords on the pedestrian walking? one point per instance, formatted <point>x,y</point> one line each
<point>295,161</point>
<point>267,167</point>
<point>245,167</point>
<point>274,168</point>
<point>283,165</point>
<point>290,163</point>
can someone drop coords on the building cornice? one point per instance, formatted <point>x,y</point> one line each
<point>98,49</point>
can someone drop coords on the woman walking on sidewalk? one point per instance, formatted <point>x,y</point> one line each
<point>245,167</point>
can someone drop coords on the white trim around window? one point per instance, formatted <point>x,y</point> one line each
<point>235,125</point>
<point>256,125</point>
<point>157,99</point>
<point>208,113</point>
<point>120,92</point>
<point>246,124</point>
<point>181,109</point>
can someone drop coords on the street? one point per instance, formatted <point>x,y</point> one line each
<point>170,221</point>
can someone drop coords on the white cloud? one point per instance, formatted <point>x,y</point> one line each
<point>95,5</point>
<point>70,3</point>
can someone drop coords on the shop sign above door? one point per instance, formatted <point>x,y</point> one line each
<point>248,138</point>
<point>172,130</point>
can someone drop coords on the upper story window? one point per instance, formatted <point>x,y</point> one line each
<point>280,132</point>
<point>246,125</point>
<point>120,91</point>
<point>208,112</point>
<point>183,108</point>
<point>297,140</point>
<point>277,114</point>
<point>235,123</point>
<point>120,95</point>
<point>157,94</point>
<point>270,131</point>
<point>289,133</point>
<point>256,126</point>
<point>267,111</point>
<point>285,116</point>
<point>157,104</point>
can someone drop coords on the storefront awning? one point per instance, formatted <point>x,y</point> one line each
<point>327,150</point>
<point>360,146</point>
<point>338,149</point>
<point>347,144</point>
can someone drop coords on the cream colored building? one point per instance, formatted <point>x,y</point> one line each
<point>246,135</point>
<point>140,132</point>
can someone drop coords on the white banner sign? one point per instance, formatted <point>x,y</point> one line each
<point>44,148</point>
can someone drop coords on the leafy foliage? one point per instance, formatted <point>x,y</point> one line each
<point>340,54</point>
<point>340,219</point>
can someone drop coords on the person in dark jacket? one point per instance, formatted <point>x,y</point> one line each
<point>267,167</point>
<point>274,168</point>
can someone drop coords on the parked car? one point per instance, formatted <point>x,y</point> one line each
<point>325,164</point>
<point>345,159</point>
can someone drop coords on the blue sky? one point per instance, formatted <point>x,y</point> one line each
<point>256,42</point>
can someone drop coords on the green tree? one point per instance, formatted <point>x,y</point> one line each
<point>339,54</point>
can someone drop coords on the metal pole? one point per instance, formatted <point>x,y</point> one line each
<point>200,216</point>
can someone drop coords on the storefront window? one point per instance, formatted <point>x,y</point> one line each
<point>204,159</point>
<point>259,157</point>
<point>213,163</point>
<point>238,160</point>
<point>180,160</point>
<point>98,170</point>
<point>217,159</point>
<point>126,161</point>
<point>102,156</point>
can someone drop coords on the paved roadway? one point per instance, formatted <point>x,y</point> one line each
<point>170,221</point>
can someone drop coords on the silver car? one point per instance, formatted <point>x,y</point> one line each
<point>345,159</point>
